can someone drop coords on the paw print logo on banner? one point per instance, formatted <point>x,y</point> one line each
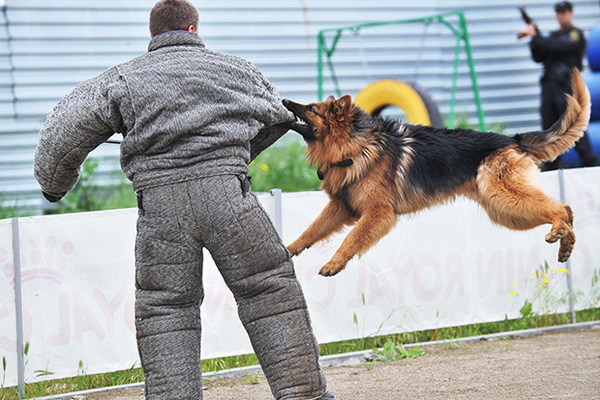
<point>46,259</point>
<point>7,266</point>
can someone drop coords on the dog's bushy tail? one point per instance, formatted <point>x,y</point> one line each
<point>560,137</point>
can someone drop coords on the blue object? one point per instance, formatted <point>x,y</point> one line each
<point>593,48</point>
<point>571,159</point>
<point>592,81</point>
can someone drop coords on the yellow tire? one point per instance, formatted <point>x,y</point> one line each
<point>418,106</point>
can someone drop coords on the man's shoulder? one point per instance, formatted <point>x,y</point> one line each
<point>573,33</point>
<point>221,56</point>
<point>232,58</point>
<point>576,34</point>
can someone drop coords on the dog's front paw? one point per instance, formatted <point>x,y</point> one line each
<point>331,268</point>
<point>295,249</point>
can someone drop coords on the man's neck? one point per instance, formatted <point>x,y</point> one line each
<point>566,27</point>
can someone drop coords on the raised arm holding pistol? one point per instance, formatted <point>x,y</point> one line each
<point>531,28</point>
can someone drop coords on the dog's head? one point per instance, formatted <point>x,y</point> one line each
<point>318,120</point>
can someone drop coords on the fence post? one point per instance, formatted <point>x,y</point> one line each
<point>277,212</point>
<point>561,184</point>
<point>18,306</point>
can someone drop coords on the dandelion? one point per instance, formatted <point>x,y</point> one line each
<point>515,285</point>
<point>512,293</point>
<point>263,166</point>
<point>545,280</point>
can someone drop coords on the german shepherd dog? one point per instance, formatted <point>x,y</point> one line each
<point>375,169</point>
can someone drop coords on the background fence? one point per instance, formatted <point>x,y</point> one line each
<point>70,281</point>
<point>48,47</point>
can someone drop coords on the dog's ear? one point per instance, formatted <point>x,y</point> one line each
<point>330,98</point>
<point>342,106</point>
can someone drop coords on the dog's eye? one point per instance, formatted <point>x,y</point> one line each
<point>311,109</point>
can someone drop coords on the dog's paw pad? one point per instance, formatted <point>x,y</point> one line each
<point>563,257</point>
<point>554,236</point>
<point>566,248</point>
<point>564,254</point>
<point>330,269</point>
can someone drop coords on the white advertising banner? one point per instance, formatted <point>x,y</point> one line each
<point>77,284</point>
<point>8,318</point>
<point>442,267</point>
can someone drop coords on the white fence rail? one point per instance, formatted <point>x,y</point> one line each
<point>68,282</point>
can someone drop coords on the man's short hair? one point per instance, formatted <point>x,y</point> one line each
<point>563,6</point>
<point>172,15</point>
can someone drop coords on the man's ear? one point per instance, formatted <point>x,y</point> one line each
<point>192,28</point>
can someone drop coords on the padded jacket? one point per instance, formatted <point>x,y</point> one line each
<point>184,111</point>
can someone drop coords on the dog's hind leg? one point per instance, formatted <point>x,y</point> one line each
<point>332,219</point>
<point>508,191</point>
<point>373,224</point>
<point>563,230</point>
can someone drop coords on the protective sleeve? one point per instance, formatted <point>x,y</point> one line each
<point>277,119</point>
<point>79,123</point>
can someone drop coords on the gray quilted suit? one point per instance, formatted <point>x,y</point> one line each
<point>192,119</point>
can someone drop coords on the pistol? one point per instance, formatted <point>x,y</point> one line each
<point>528,20</point>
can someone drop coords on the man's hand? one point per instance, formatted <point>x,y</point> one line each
<point>528,30</point>
<point>51,198</point>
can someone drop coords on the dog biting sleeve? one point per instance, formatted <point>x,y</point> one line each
<point>277,118</point>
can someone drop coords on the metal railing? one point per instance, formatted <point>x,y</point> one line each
<point>460,33</point>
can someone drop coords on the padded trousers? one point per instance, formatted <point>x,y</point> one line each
<point>217,213</point>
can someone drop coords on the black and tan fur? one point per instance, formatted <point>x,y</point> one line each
<point>375,169</point>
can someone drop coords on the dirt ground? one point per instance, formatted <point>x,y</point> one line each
<point>549,366</point>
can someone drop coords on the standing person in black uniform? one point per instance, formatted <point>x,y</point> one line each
<point>560,52</point>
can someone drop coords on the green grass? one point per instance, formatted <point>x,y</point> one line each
<point>507,325</point>
<point>391,344</point>
<point>284,168</point>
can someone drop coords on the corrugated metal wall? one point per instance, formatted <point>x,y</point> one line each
<point>46,48</point>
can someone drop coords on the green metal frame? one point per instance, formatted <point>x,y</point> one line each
<point>460,33</point>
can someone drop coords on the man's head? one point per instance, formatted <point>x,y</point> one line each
<point>173,15</point>
<point>564,13</point>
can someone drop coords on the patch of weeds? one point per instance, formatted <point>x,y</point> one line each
<point>370,365</point>
<point>3,373</point>
<point>392,352</point>
<point>451,346</point>
<point>253,379</point>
